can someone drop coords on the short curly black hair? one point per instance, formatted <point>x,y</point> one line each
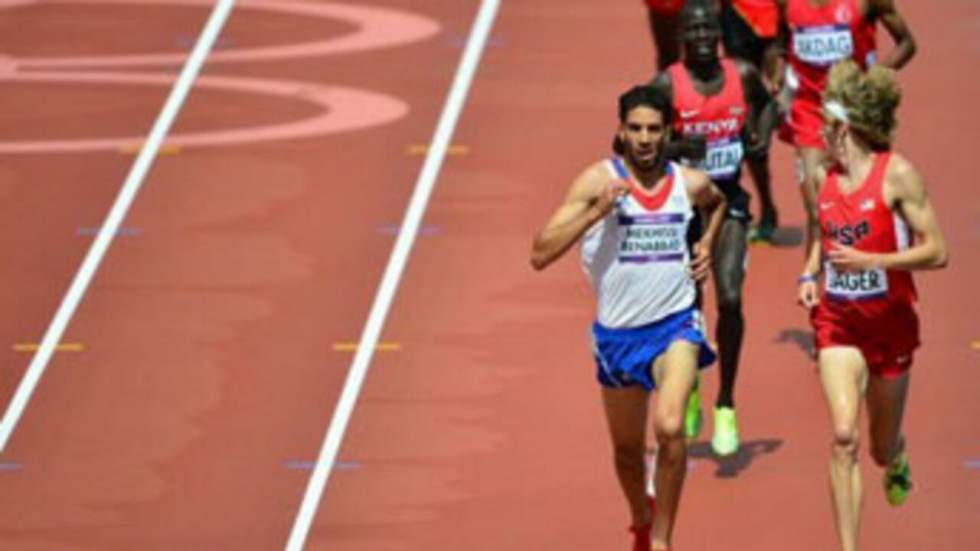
<point>646,96</point>
<point>642,96</point>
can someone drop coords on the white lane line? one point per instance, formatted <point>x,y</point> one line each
<point>114,219</point>
<point>393,272</point>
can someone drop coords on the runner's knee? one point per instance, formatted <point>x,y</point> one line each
<point>728,279</point>
<point>669,425</point>
<point>845,441</point>
<point>729,301</point>
<point>729,286</point>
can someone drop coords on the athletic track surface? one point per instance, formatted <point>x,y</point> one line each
<point>187,404</point>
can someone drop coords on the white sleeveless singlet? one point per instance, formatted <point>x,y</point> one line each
<point>636,257</point>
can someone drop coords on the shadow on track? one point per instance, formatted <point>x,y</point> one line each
<point>730,466</point>
<point>784,237</point>
<point>802,338</point>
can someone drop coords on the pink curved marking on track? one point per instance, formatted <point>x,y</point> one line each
<point>344,109</point>
<point>377,28</point>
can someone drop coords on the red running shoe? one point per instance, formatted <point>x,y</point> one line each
<point>641,533</point>
<point>641,536</point>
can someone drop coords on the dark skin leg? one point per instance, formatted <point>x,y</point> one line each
<point>758,164</point>
<point>729,274</point>
<point>759,169</point>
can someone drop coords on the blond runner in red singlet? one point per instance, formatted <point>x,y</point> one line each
<point>876,226</point>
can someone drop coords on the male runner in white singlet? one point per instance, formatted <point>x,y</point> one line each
<point>632,214</point>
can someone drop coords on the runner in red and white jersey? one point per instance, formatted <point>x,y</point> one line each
<point>815,35</point>
<point>876,225</point>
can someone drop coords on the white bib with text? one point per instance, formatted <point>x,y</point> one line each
<point>823,46</point>
<point>856,285</point>
<point>723,158</point>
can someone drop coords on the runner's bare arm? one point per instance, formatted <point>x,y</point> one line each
<point>807,294</point>
<point>898,29</point>
<point>811,262</point>
<point>706,197</point>
<point>810,190</point>
<point>905,193</point>
<point>592,196</point>
<point>774,59</point>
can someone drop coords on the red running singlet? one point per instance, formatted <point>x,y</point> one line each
<point>870,309</point>
<point>720,118</point>
<point>820,36</point>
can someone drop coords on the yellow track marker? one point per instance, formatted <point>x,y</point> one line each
<point>975,345</point>
<point>66,347</point>
<point>135,148</point>
<point>422,149</point>
<point>352,347</point>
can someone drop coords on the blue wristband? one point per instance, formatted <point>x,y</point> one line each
<point>806,278</point>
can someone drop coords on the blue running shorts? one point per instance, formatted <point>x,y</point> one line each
<point>624,357</point>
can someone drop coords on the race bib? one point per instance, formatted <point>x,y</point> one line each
<point>723,158</point>
<point>823,46</point>
<point>656,237</point>
<point>856,285</point>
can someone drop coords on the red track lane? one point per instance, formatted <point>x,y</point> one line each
<point>209,361</point>
<point>485,432</point>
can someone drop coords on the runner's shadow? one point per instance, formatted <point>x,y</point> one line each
<point>801,338</point>
<point>730,466</point>
<point>791,236</point>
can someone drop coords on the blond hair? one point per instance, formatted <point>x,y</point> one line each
<point>871,100</point>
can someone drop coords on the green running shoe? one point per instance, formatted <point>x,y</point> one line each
<point>692,417</point>
<point>725,440</point>
<point>898,481</point>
